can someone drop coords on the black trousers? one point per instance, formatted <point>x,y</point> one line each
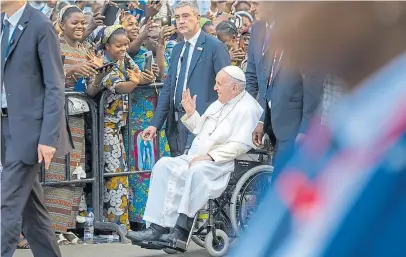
<point>182,141</point>
<point>22,196</point>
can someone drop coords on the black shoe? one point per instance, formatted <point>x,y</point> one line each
<point>177,234</point>
<point>153,233</point>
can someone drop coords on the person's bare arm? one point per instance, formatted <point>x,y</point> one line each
<point>135,45</point>
<point>160,59</point>
<point>96,22</point>
<point>166,32</point>
<point>125,87</point>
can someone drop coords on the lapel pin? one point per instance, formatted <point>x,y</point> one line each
<point>20,27</point>
<point>200,49</point>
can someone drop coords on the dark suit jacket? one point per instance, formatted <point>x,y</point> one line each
<point>294,96</point>
<point>209,57</point>
<point>34,83</point>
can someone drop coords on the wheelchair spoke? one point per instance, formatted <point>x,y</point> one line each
<point>250,196</point>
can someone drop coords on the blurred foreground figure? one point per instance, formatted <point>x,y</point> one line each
<point>342,194</point>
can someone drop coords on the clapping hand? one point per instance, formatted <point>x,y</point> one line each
<point>134,76</point>
<point>188,103</point>
<point>97,59</point>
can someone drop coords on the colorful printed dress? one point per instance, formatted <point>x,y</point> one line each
<point>143,155</point>
<point>139,58</point>
<point>63,203</point>
<point>115,118</point>
<point>168,52</point>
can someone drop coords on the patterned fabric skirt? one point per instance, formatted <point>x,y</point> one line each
<point>143,155</point>
<point>116,188</point>
<point>63,202</point>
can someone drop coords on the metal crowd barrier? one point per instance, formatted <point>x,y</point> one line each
<point>94,180</point>
<point>103,175</point>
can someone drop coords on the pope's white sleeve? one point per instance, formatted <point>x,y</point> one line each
<point>228,152</point>
<point>193,122</point>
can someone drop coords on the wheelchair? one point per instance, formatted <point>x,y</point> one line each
<point>222,219</point>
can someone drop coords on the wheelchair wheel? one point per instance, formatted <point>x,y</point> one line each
<point>219,248</point>
<point>169,251</point>
<point>201,230</point>
<point>244,197</point>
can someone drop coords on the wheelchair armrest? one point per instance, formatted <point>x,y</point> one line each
<point>258,151</point>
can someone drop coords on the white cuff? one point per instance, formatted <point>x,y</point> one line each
<point>192,121</point>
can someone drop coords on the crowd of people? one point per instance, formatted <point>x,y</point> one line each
<point>192,51</point>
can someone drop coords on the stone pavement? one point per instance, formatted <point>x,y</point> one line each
<point>116,250</point>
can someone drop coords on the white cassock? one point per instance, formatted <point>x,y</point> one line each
<point>224,132</point>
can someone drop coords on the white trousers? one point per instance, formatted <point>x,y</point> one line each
<point>177,188</point>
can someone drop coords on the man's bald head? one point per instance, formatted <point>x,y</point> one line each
<point>340,37</point>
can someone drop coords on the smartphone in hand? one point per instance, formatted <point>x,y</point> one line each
<point>107,66</point>
<point>166,21</point>
<point>110,13</point>
<point>148,61</point>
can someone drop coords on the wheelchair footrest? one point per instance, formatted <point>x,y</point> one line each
<point>159,245</point>
<point>149,245</point>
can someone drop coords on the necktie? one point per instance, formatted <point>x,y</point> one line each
<point>182,76</point>
<point>4,45</point>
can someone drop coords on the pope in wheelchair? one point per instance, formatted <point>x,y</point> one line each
<point>181,186</point>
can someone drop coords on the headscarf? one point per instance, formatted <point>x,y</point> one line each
<point>63,11</point>
<point>108,31</point>
<point>203,21</point>
<point>242,13</point>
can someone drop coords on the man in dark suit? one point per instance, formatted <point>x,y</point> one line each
<point>33,124</point>
<point>194,64</point>
<point>288,97</point>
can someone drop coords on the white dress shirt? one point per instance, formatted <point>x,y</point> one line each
<point>193,42</point>
<point>13,20</point>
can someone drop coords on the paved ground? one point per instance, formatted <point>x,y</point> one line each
<point>115,250</point>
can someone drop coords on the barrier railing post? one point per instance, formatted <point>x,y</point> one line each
<point>95,160</point>
<point>108,225</point>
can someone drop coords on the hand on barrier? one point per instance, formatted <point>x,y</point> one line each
<point>149,133</point>
<point>189,103</point>
<point>45,153</point>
